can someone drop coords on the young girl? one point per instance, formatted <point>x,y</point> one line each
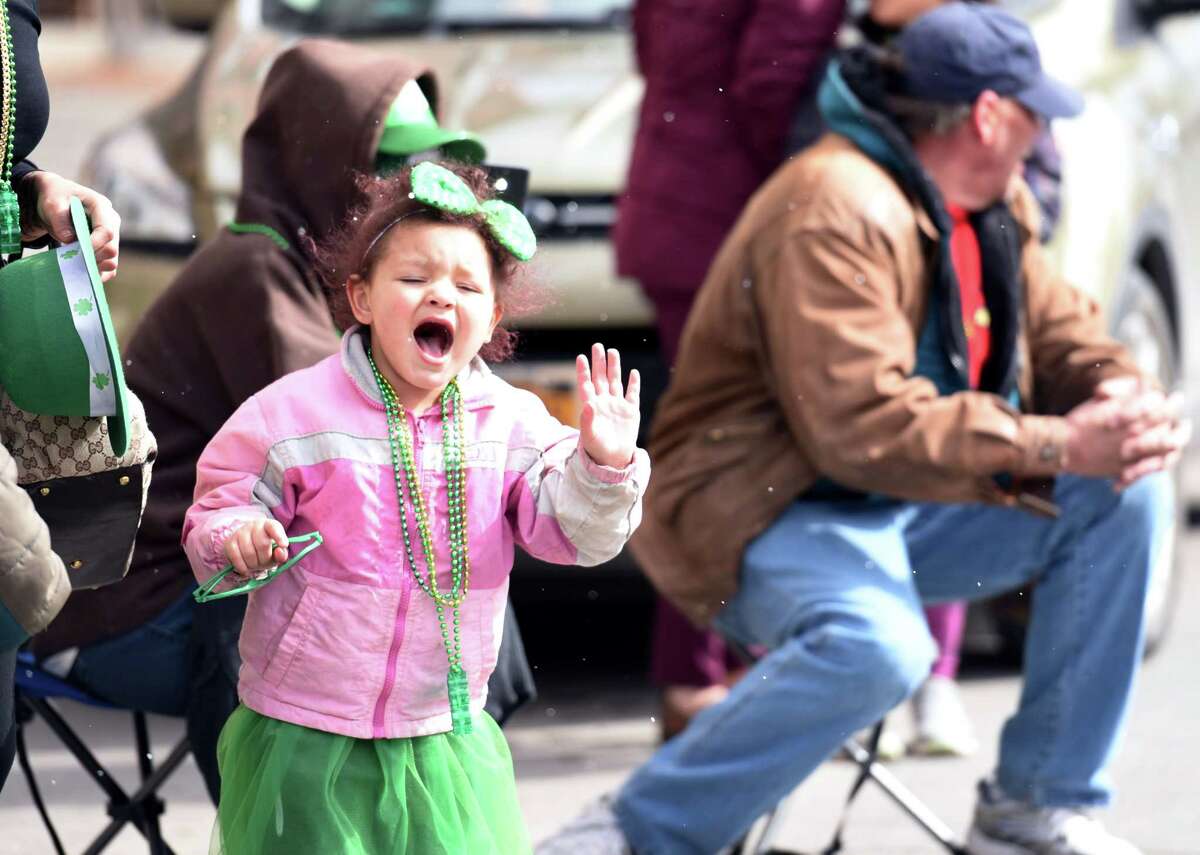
<point>362,728</point>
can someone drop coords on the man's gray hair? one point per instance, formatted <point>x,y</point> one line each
<point>918,118</point>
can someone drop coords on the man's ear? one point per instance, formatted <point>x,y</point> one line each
<point>358,292</point>
<point>985,117</point>
<point>497,317</point>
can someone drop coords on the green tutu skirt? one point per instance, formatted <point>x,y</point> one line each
<point>291,790</point>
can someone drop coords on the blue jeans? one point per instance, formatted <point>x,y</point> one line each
<point>144,669</point>
<point>835,592</point>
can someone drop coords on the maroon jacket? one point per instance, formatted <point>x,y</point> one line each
<point>724,79</point>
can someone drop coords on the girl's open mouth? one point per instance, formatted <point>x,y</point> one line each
<point>434,338</point>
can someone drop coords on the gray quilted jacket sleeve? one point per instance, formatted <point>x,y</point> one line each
<point>33,580</point>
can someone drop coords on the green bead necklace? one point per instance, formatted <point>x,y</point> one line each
<point>10,208</point>
<point>454,454</point>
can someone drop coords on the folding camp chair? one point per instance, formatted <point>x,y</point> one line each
<point>759,840</point>
<point>36,692</point>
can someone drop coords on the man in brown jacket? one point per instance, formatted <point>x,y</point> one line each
<point>884,396</point>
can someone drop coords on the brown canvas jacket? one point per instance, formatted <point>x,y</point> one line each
<point>797,364</point>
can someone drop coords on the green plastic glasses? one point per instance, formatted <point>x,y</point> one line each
<point>204,594</point>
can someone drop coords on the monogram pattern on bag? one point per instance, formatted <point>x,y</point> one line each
<point>46,447</point>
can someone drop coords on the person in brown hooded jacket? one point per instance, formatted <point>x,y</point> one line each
<point>192,368</point>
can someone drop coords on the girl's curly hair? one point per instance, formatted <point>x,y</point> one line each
<point>353,247</point>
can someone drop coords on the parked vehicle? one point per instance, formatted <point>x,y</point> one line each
<point>551,86</point>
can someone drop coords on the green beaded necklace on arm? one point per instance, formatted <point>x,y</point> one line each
<point>454,455</point>
<point>10,208</point>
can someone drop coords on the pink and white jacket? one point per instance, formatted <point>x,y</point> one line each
<point>345,641</point>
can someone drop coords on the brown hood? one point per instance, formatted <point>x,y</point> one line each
<point>320,118</point>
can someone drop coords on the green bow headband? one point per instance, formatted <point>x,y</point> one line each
<point>437,187</point>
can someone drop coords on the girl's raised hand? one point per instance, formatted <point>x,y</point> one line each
<point>249,549</point>
<point>608,423</point>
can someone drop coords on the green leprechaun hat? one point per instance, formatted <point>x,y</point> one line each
<point>411,127</point>
<point>58,353</point>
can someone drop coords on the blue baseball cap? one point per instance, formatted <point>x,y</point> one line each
<point>958,50</point>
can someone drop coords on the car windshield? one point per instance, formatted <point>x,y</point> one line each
<point>434,15</point>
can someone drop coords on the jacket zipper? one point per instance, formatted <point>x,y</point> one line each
<point>389,679</point>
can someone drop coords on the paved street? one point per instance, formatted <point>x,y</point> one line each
<point>594,722</point>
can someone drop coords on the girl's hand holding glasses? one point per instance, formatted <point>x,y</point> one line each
<point>255,547</point>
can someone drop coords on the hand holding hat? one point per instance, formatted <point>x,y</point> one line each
<point>46,209</point>
<point>60,355</point>
<point>79,437</point>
